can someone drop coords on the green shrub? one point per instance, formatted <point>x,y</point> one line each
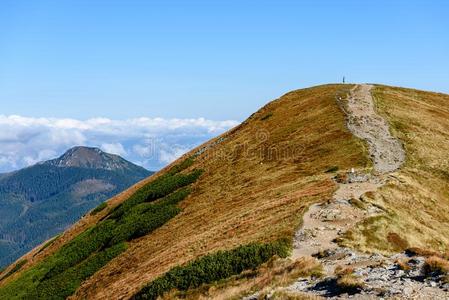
<point>137,225</point>
<point>135,221</point>
<point>48,244</point>
<point>267,116</point>
<point>60,274</point>
<point>176,197</point>
<point>16,268</point>
<point>64,284</point>
<point>155,190</point>
<point>99,208</point>
<point>332,169</point>
<point>146,217</point>
<point>172,199</point>
<point>213,267</point>
<point>182,166</point>
<point>81,247</point>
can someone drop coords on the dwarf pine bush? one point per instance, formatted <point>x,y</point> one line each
<point>213,267</point>
<point>99,208</point>
<point>60,274</point>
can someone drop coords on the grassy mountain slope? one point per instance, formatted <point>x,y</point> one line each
<point>258,180</point>
<point>60,274</point>
<point>416,201</point>
<point>260,177</point>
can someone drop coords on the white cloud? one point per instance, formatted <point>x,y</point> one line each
<point>143,150</point>
<point>169,155</point>
<point>151,141</point>
<point>114,148</point>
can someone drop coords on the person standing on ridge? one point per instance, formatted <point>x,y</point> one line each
<point>344,79</point>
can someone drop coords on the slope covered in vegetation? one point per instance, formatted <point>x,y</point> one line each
<point>60,274</point>
<point>416,200</point>
<point>213,267</point>
<point>40,201</point>
<point>258,180</point>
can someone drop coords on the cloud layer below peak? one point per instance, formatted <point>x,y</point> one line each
<point>150,142</point>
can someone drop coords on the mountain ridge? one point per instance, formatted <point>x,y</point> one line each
<point>258,181</point>
<point>92,158</point>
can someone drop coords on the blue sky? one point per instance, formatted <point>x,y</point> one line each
<point>215,59</point>
<point>220,60</point>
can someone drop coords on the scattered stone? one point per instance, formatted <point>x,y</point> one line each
<point>408,291</point>
<point>324,223</point>
<point>357,177</point>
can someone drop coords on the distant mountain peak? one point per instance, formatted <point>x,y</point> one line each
<point>90,157</point>
<point>40,201</point>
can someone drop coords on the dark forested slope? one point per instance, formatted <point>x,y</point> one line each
<point>40,201</point>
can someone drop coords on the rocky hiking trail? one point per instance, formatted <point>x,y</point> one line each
<point>386,151</point>
<point>323,223</point>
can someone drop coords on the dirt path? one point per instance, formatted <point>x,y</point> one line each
<point>325,222</point>
<point>381,276</point>
<point>363,121</point>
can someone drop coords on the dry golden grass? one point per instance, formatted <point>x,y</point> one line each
<point>256,186</point>
<point>416,251</point>
<point>346,280</point>
<point>403,265</point>
<point>349,283</point>
<point>260,179</point>
<point>416,198</point>
<point>341,271</point>
<point>275,273</point>
<point>285,295</point>
<point>397,242</point>
<point>436,265</point>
